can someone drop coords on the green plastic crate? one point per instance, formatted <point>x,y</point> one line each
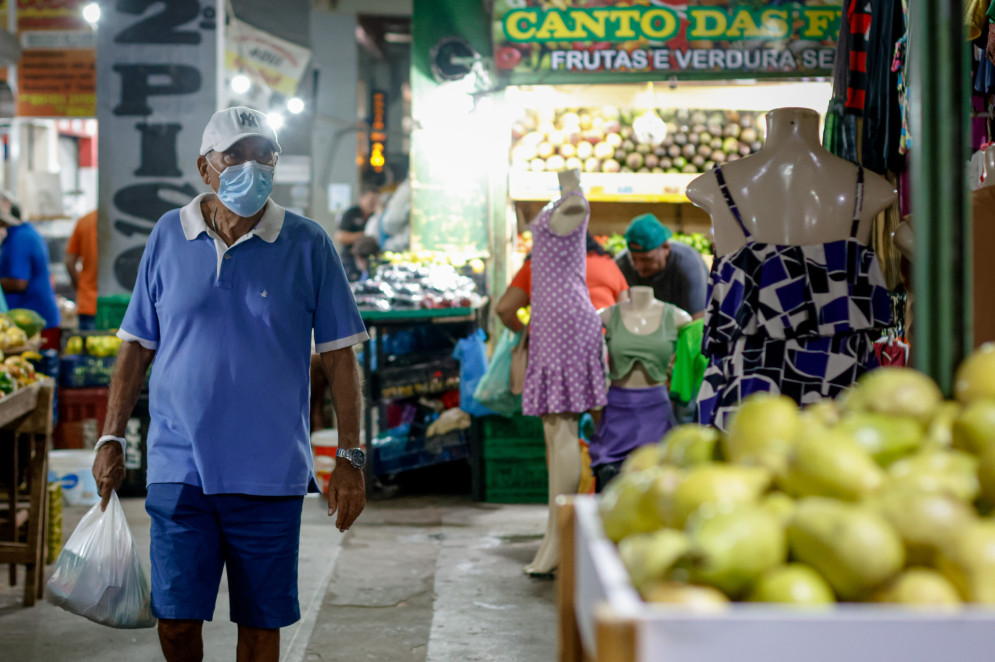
<point>516,480</point>
<point>513,447</point>
<point>516,427</point>
<point>110,310</point>
<point>513,452</point>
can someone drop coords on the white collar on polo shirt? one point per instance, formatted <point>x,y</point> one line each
<point>268,228</point>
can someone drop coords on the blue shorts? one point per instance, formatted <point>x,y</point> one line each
<point>195,536</point>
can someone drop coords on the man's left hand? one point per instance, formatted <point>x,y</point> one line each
<point>346,494</point>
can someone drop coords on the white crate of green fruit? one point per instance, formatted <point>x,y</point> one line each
<point>867,518</point>
<point>636,631</point>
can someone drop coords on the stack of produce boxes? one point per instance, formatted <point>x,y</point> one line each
<point>85,369</point>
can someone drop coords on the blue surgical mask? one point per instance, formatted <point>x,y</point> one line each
<point>245,188</point>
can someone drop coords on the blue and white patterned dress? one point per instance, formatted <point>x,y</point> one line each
<point>797,320</point>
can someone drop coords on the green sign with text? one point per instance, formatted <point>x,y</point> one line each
<point>584,37</point>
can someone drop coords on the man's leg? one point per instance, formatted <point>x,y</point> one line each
<point>261,542</point>
<point>186,567</point>
<point>258,645</point>
<point>181,641</point>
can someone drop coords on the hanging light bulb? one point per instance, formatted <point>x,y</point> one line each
<point>91,13</point>
<point>275,120</point>
<point>240,84</point>
<point>295,105</point>
<point>649,127</point>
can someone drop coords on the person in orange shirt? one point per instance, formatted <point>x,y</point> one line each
<point>605,283</point>
<point>81,262</point>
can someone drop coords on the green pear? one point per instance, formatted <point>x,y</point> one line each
<point>780,504</point>
<point>986,473</point>
<point>824,412</point>
<point>850,545</point>
<point>688,596</point>
<point>949,471</point>
<point>896,392</point>
<point>762,431</point>
<point>793,583</point>
<point>644,457</point>
<point>924,520</point>
<point>940,430</point>
<point>667,478</point>
<point>968,561</point>
<point>886,438</point>
<point>919,586</point>
<point>715,487</point>
<point>690,444</point>
<point>649,556</point>
<point>626,505</point>
<point>827,462</point>
<point>974,427</point>
<point>731,549</point>
<point>975,378</point>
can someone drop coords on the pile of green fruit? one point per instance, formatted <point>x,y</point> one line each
<point>696,240</point>
<point>883,495</point>
<point>603,140</point>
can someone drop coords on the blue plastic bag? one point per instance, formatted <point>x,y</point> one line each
<point>471,352</point>
<point>494,391</point>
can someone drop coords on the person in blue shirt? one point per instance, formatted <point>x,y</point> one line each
<point>228,293</point>
<point>24,274</point>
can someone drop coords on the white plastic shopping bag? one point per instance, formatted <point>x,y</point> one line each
<point>98,574</point>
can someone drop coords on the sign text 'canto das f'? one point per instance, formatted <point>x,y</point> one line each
<point>156,92</point>
<point>787,38</point>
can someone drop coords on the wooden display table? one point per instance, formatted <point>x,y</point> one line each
<point>25,435</point>
<point>602,619</point>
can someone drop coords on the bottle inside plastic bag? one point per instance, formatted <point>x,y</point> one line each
<point>99,576</point>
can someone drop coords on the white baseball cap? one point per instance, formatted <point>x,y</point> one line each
<point>10,211</point>
<point>230,125</point>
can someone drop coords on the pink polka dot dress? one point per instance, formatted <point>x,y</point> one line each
<point>566,368</point>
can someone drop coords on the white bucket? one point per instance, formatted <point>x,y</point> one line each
<point>324,444</point>
<point>74,469</point>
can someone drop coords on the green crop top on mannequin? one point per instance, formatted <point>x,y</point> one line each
<point>653,350</point>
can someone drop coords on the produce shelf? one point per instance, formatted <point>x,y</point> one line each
<point>604,187</point>
<point>602,618</point>
<point>421,314</point>
<point>418,379</point>
<point>394,455</point>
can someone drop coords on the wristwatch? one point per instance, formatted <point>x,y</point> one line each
<point>356,456</point>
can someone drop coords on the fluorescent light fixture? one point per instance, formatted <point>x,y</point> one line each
<point>275,120</point>
<point>397,37</point>
<point>91,13</point>
<point>240,84</point>
<point>295,105</point>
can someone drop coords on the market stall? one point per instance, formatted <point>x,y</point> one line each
<point>416,309</point>
<point>644,103</point>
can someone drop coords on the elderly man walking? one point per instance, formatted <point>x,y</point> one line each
<point>229,290</point>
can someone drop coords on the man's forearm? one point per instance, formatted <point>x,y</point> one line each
<point>342,372</point>
<point>132,362</point>
<point>72,267</point>
<point>13,284</point>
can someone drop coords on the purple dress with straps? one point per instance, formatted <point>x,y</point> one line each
<point>566,367</point>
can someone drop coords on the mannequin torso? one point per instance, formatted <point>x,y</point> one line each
<point>989,167</point>
<point>570,214</point>
<point>815,190</point>
<point>641,315</point>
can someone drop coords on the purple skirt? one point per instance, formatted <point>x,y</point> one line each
<point>632,418</point>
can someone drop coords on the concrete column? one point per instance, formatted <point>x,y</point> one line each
<point>336,58</point>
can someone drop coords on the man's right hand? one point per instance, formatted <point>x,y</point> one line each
<point>108,470</point>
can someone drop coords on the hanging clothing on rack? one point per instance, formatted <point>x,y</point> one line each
<point>882,126</point>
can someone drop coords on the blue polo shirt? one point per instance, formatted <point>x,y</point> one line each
<point>24,256</point>
<point>231,326</point>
